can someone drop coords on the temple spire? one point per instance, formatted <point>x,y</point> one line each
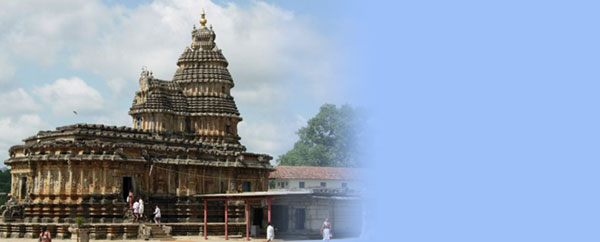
<point>203,19</point>
<point>203,37</point>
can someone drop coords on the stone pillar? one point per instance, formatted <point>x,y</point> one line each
<point>60,180</point>
<point>48,183</point>
<point>93,179</point>
<point>104,178</point>
<point>81,186</point>
<point>70,183</point>
<point>62,232</point>
<point>203,175</point>
<point>168,180</point>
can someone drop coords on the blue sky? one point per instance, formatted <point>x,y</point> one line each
<point>485,119</point>
<point>62,56</point>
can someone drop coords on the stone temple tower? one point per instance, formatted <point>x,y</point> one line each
<point>197,101</point>
<point>184,143</point>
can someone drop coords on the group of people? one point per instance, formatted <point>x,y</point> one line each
<point>325,231</point>
<point>138,209</point>
<point>138,212</point>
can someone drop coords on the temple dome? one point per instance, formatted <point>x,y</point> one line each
<point>203,37</point>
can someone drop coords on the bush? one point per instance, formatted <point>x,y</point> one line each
<point>80,221</point>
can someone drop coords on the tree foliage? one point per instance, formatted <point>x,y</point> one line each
<point>4,184</point>
<point>331,138</point>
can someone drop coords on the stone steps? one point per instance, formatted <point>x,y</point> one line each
<point>157,232</point>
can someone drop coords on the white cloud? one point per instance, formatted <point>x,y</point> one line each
<point>118,117</point>
<point>116,84</point>
<point>14,129</point>
<point>40,30</point>
<point>263,137</point>
<point>67,95</point>
<point>17,101</point>
<point>7,69</point>
<point>271,137</point>
<point>264,44</point>
<point>276,56</point>
<point>260,95</point>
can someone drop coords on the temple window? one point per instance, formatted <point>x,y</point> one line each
<point>323,184</point>
<point>188,126</point>
<point>23,187</point>
<point>247,186</point>
<point>301,184</point>
<point>138,122</point>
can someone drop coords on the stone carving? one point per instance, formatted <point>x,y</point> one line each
<point>11,211</point>
<point>128,215</point>
<point>144,232</point>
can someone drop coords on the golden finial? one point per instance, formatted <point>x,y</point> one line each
<point>203,19</point>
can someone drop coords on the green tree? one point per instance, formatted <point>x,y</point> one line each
<point>331,138</point>
<point>4,185</point>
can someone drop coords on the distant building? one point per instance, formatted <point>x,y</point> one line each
<point>329,192</point>
<point>310,177</point>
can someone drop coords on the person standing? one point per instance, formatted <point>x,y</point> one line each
<point>130,199</point>
<point>326,230</point>
<point>141,208</point>
<point>136,211</point>
<point>157,215</point>
<point>45,235</point>
<point>270,232</point>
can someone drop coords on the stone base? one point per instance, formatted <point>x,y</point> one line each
<point>63,236</point>
<point>109,231</point>
<point>111,236</point>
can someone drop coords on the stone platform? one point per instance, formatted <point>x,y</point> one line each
<point>111,231</point>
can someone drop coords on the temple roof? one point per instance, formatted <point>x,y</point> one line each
<point>165,147</point>
<point>314,172</point>
<point>200,65</point>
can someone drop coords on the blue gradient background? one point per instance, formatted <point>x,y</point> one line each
<point>484,118</point>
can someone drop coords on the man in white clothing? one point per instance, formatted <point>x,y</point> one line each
<point>136,211</point>
<point>326,230</point>
<point>270,232</point>
<point>141,208</point>
<point>157,215</point>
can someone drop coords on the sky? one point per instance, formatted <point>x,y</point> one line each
<point>61,56</point>
<point>485,119</point>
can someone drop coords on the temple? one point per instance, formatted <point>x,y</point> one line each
<point>184,143</point>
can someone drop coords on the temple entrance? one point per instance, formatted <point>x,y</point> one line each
<point>258,217</point>
<point>300,218</point>
<point>23,187</point>
<point>280,217</point>
<point>127,186</point>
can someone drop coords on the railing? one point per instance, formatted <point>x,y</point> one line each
<point>321,190</point>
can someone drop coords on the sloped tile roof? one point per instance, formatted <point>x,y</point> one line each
<point>314,172</point>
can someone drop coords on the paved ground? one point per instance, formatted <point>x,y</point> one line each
<point>181,239</point>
